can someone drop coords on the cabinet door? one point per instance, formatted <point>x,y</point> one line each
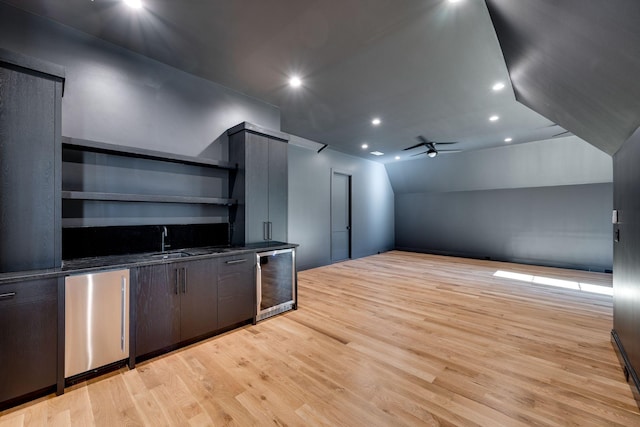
<point>236,289</point>
<point>29,171</point>
<point>157,310</point>
<point>257,188</point>
<point>198,297</point>
<point>278,189</point>
<point>28,337</point>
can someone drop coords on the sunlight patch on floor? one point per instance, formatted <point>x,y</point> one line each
<point>541,280</point>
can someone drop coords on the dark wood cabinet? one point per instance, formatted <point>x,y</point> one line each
<point>174,302</point>
<point>157,310</point>
<point>28,337</point>
<point>236,289</point>
<point>261,185</point>
<point>30,163</point>
<point>278,190</point>
<point>196,282</point>
<point>256,191</point>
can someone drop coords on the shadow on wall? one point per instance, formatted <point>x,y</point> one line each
<point>218,149</point>
<point>309,204</point>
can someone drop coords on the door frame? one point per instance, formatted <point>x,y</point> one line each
<point>350,216</point>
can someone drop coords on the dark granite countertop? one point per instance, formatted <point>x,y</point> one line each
<point>85,265</point>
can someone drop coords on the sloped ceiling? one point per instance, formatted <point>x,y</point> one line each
<point>558,162</point>
<point>576,62</point>
<point>426,67</point>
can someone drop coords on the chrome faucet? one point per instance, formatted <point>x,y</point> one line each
<point>164,234</point>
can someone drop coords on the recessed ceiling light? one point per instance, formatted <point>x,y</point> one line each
<point>365,146</point>
<point>508,139</point>
<point>454,1</point>
<point>498,86</point>
<point>397,157</point>
<point>377,153</point>
<point>135,4</point>
<point>376,121</point>
<point>494,118</point>
<point>295,81</point>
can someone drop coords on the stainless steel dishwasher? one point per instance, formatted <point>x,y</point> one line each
<point>96,320</point>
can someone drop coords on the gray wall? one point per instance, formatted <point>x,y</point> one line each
<point>114,95</point>
<point>309,204</point>
<point>546,202</point>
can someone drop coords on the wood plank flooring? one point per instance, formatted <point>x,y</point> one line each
<point>389,340</point>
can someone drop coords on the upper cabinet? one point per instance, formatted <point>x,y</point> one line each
<point>30,162</point>
<point>260,186</point>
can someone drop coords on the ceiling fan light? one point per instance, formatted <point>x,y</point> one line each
<point>432,153</point>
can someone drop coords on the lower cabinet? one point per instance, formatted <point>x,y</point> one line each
<point>174,303</point>
<point>157,310</point>
<point>28,337</point>
<point>236,289</point>
<point>196,281</point>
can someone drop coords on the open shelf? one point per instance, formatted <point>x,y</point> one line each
<point>111,185</point>
<point>107,221</point>
<point>118,150</point>
<point>117,197</point>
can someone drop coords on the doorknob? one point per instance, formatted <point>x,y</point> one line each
<point>348,227</point>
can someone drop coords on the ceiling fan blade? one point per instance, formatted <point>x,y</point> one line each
<point>449,151</point>
<point>424,152</point>
<point>446,142</point>
<point>414,146</point>
<point>562,133</point>
<point>422,139</point>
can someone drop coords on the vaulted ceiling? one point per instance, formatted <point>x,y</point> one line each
<point>424,67</point>
<point>575,61</point>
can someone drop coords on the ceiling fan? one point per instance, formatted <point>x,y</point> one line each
<point>432,151</point>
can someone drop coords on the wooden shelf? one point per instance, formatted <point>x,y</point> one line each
<point>118,150</point>
<point>118,197</point>
<point>108,221</point>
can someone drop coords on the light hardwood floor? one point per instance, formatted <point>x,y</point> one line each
<point>388,340</point>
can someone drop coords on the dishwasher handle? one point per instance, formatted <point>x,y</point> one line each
<point>123,312</point>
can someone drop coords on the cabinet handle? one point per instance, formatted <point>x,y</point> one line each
<point>123,312</point>
<point>177,279</point>
<point>7,295</point>
<point>265,231</point>
<point>270,230</point>
<point>184,280</point>
<point>236,261</point>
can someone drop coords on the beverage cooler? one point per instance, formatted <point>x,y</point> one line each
<point>276,282</point>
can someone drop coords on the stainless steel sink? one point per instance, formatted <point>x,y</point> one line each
<point>170,255</point>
